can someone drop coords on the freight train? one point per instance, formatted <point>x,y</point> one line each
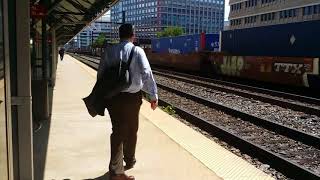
<point>284,54</point>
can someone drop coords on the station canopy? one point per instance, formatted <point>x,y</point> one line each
<point>69,17</point>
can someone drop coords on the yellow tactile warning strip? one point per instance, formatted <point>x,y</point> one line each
<point>224,163</point>
<point>221,161</point>
<point>91,71</point>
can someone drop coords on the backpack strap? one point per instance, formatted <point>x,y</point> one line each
<point>131,55</point>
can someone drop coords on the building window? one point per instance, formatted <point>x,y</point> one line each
<point>267,17</point>
<point>236,7</point>
<point>267,1</point>
<point>288,13</point>
<point>309,10</point>
<point>174,13</point>
<point>236,22</point>
<point>251,3</point>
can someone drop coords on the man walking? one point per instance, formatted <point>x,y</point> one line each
<point>124,107</point>
<point>61,53</point>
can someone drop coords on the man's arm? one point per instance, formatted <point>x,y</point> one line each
<point>149,84</point>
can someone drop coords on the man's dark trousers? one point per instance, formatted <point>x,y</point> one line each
<point>124,112</point>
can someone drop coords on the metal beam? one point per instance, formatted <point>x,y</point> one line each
<point>73,23</point>
<point>66,10</point>
<point>62,31</point>
<point>78,6</point>
<point>88,2</point>
<point>66,18</point>
<point>54,5</point>
<point>69,13</point>
<point>65,35</point>
<point>64,15</point>
<point>107,22</point>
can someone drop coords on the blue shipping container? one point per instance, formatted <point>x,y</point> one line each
<point>212,42</point>
<point>292,40</point>
<point>160,45</point>
<point>177,45</point>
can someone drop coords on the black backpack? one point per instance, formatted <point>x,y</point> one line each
<point>114,80</point>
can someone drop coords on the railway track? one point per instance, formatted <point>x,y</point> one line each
<point>293,101</point>
<point>269,147</point>
<point>289,150</point>
<point>288,128</point>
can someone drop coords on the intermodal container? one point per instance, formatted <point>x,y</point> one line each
<point>287,40</point>
<point>212,42</point>
<point>177,45</point>
<point>160,45</point>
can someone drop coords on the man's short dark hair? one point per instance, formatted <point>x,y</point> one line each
<point>125,31</point>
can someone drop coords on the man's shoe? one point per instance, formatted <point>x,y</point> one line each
<point>129,165</point>
<point>121,177</point>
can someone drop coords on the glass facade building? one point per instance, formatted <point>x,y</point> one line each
<point>91,33</point>
<point>151,16</point>
<point>85,38</point>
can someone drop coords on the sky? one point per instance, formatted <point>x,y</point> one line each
<point>227,10</point>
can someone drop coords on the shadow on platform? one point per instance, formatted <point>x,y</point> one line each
<point>40,143</point>
<point>103,177</point>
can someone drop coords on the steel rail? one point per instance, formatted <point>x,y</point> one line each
<point>296,97</point>
<point>272,100</point>
<point>92,64</point>
<point>284,165</point>
<point>284,130</point>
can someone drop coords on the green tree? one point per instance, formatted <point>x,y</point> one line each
<point>99,41</point>
<point>170,32</point>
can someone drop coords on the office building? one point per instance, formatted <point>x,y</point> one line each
<point>85,38</point>
<point>253,13</point>
<point>152,16</point>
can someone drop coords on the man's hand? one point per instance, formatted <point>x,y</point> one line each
<point>154,104</point>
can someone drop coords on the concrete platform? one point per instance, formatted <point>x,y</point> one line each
<point>75,146</point>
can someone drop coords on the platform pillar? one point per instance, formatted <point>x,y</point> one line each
<point>40,75</point>
<point>20,86</point>
<point>54,58</point>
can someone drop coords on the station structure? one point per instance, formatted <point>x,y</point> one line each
<point>31,32</point>
<point>36,90</point>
